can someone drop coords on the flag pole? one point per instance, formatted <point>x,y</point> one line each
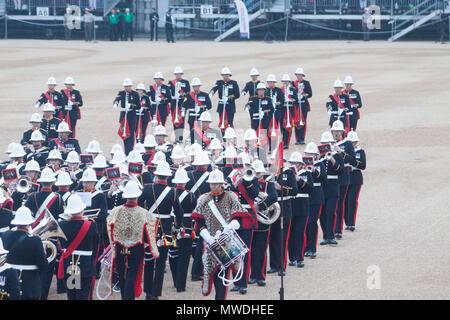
<point>281,292</point>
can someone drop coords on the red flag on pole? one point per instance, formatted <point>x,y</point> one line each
<point>124,129</point>
<point>279,158</point>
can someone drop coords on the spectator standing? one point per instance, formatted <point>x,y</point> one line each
<point>113,21</point>
<point>169,27</point>
<point>89,23</point>
<point>365,21</point>
<point>121,29</point>
<point>128,17</point>
<point>154,19</point>
<point>67,22</point>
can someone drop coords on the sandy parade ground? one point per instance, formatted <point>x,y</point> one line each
<point>402,222</point>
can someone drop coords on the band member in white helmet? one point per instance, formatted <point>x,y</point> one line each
<point>260,240</point>
<point>250,87</point>
<point>345,148</point>
<point>195,102</point>
<point>130,228</point>
<point>356,182</point>
<point>304,94</point>
<point>160,199</point>
<point>227,204</point>
<point>179,89</point>
<point>35,121</point>
<point>49,122</point>
<point>143,116</point>
<point>9,277</point>
<point>355,102</point>
<point>72,101</point>
<point>129,103</point>
<point>26,255</point>
<point>316,198</point>
<point>290,115</point>
<point>52,96</point>
<point>228,91</point>
<point>337,105</point>
<point>159,94</point>
<point>78,258</point>
<point>334,166</point>
<point>300,210</point>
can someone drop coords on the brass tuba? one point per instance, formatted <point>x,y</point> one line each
<point>48,228</point>
<point>271,214</point>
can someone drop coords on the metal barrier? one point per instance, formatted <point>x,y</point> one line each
<point>388,6</point>
<point>53,5</point>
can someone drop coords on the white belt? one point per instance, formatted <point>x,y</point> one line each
<point>162,216</point>
<point>332,177</point>
<point>246,206</point>
<point>302,195</point>
<point>124,109</point>
<point>139,113</point>
<point>24,267</point>
<point>4,229</point>
<point>187,215</point>
<point>347,165</point>
<point>350,113</point>
<point>81,253</point>
<point>285,198</point>
<point>353,169</point>
<point>317,184</point>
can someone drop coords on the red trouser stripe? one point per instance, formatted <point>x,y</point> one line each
<point>265,257</point>
<point>343,209</point>
<point>356,207</point>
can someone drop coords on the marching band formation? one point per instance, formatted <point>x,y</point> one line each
<point>106,224</point>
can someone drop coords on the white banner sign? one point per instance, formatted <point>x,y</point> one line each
<point>243,19</point>
<point>206,10</point>
<point>42,11</point>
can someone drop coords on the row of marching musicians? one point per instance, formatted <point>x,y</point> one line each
<point>268,105</point>
<point>179,209</point>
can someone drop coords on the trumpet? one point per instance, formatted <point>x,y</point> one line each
<point>328,155</point>
<point>308,168</point>
<point>48,228</point>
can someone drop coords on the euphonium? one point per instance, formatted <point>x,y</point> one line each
<point>249,174</point>
<point>48,228</point>
<point>271,214</point>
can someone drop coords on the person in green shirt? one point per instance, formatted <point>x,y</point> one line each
<point>128,18</point>
<point>113,20</point>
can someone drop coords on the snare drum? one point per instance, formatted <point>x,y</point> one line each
<point>228,248</point>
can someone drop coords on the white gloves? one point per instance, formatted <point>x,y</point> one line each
<point>329,112</point>
<point>210,95</point>
<point>115,105</point>
<point>183,114</point>
<point>247,109</point>
<point>37,105</point>
<point>234,224</point>
<point>206,236</point>
<point>261,115</point>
